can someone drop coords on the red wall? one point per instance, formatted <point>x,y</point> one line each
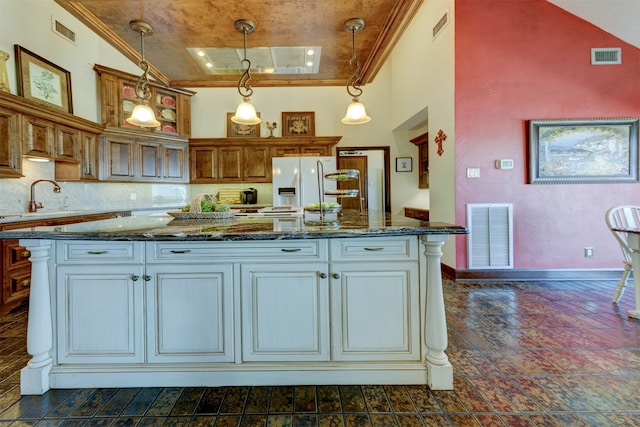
<point>528,59</point>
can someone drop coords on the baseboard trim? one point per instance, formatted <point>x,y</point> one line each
<point>529,274</point>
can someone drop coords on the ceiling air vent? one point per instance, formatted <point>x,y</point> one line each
<point>606,56</point>
<point>64,32</point>
<point>437,29</point>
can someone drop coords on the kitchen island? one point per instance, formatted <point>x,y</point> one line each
<point>157,301</point>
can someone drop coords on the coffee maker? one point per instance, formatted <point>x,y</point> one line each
<point>249,196</point>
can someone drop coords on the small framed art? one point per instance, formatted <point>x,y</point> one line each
<point>235,130</point>
<point>298,123</point>
<point>404,164</point>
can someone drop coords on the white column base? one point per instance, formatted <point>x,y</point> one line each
<point>34,380</point>
<point>440,377</point>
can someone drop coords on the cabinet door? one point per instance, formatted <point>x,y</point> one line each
<point>257,164</point>
<point>166,107</point>
<point>67,144</point>
<point>230,164</point>
<point>190,313</point>
<point>282,150</point>
<point>285,312</point>
<point>118,159</point>
<point>37,137</point>
<point>10,145</point>
<point>375,311</point>
<point>89,155</point>
<point>148,166</point>
<point>100,314</point>
<point>204,164</point>
<point>175,163</point>
<point>317,150</point>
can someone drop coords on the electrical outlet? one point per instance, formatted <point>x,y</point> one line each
<point>588,252</point>
<point>134,196</point>
<point>473,172</point>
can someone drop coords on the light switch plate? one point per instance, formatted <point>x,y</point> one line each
<point>504,164</point>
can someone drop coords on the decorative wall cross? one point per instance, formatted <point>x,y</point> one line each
<point>439,139</point>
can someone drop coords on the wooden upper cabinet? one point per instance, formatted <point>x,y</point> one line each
<point>37,138</point>
<point>225,160</point>
<point>67,144</point>
<point>10,144</point>
<point>118,98</point>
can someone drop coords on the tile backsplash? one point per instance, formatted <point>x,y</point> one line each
<point>101,195</point>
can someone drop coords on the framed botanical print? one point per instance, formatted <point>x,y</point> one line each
<point>43,81</point>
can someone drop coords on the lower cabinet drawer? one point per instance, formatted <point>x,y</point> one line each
<point>16,285</point>
<point>255,251</point>
<point>401,248</point>
<point>15,256</point>
<point>99,252</point>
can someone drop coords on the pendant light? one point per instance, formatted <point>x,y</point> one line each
<point>142,114</point>
<point>245,112</point>
<point>356,113</point>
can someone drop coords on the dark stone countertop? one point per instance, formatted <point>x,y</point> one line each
<point>164,227</point>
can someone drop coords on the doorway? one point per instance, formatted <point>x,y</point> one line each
<point>373,165</point>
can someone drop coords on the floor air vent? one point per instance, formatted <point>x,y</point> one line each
<point>605,56</point>
<point>490,239</point>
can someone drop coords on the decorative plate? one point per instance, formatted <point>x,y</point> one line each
<point>169,114</point>
<point>128,106</point>
<point>169,101</point>
<point>168,128</point>
<point>128,91</point>
<point>200,215</point>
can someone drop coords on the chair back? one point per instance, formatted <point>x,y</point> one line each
<point>627,216</point>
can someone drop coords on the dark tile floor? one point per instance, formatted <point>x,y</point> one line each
<point>524,354</point>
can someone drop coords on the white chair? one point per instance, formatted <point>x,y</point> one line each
<point>627,216</point>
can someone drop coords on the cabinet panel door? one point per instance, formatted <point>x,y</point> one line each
<point>148,161</point>
<point>37,137</point>
<point>67,144</point>
<point>190,313</point>
<point>100,314</point>
<point>375,311</point>
<point>204,164</point>
<point>282,150</point>
<point>118,155</point>
<point>10,145</point>
<point>230,164</point>
<point>257,164</point>
<point>89,153</point>
<point>175,163</point>
<point>284,312</point>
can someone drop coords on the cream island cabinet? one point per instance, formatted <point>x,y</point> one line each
<point>153,301</point>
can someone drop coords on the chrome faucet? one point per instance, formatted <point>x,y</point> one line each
<point>33,205</point>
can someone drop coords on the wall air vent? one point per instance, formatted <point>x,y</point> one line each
<point>437,29</point>
<point>61,30</point>
<point>490,241</point>
<point>606,56</point>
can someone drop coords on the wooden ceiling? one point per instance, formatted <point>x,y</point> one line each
<point>179,24</point>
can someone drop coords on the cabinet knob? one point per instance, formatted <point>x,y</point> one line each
<point>25,283</point>
<point>25,254</point>
<point>146,277</point>
<point>134,277</point>
<point>322,275</point>
<point>335,275</point>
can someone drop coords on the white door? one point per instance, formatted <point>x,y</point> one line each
<point>100,314</point>
<point>190,313</point>
<point>285,312</point>
<point>375,311</point>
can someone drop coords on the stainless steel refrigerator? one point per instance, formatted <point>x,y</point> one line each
<point>295,179</point>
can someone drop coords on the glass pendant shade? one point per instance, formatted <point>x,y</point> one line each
<point>143,115</point>
<point>356,114</point>
<point>246,114</point>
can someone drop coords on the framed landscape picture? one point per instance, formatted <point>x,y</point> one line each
<point>42,81</point>
<point>583,151</point>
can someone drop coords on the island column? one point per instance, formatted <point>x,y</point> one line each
<point>439,370</point>
<point>34,378</point>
